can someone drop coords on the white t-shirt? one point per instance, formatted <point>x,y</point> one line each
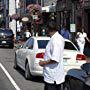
<point>28,34</point>
<point>54,50</point>
<point>81,37</point>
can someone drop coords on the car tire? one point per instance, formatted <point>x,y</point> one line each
<point>66,86</point>
<point>15,62</point>
<point>73,83</point>
<point>27,72</point>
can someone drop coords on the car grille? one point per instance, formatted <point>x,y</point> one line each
<point>6,37</point>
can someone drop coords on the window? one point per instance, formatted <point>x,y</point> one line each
<point>42,44</point>
<point>69,46</point>
<point>29,44</point>
<point>30,2</point>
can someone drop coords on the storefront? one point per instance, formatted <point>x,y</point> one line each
<point>86,15</point>
<point>83,15</point>
<point>74,11</point>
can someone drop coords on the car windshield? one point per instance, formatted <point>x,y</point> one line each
<point>69,46</point>
<point>42,44</point>
<point>6,32</point>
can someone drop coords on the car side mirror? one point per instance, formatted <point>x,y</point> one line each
<point>19,46</point>
<point>30,47</point>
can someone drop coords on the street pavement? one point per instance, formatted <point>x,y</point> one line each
<point>7,57</point>
<point>5,84</point>
<point>16,77</point>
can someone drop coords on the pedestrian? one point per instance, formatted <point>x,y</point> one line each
<point>27,34</point>
<point>80,39</point>
<point>53,69</point>
<point>43,32</point>
<point>65,32</point>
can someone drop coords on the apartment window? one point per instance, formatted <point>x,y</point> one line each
<point>30,2</point>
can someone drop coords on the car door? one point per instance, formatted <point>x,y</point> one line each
<point>18,56</point>
<point>20,53</point>
<point>27,50</point>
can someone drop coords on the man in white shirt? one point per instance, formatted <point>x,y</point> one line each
<point>53,69</point>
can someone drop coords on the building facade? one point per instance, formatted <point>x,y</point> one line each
<point>85,15</point>
<point>1,14</point>
<point>65,13</point>
<point>74,11</point>
<point>4,17</point>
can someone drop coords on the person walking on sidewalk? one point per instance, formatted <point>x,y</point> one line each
<point>80,39</point>
<point>65,32</point>
<point>53,69</point>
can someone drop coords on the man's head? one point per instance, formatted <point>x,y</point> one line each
<point>52,27</point>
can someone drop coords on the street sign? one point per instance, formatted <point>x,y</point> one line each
<point>72,28</point>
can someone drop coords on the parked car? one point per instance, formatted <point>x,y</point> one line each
<point>78,79</point>
<point>87,49</point>
<point>32,51</point>
<point>6,38</point>
<point>72,56</point>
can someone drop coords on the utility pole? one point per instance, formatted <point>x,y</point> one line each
<point>73,19</point>
<point>42,3</point>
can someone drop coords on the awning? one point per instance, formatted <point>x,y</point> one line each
<point>45,9</point>
<point>51,8</point>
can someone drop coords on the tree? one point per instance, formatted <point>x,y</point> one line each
<point>35,12</point>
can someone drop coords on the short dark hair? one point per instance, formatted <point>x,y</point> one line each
<point>52,26</point>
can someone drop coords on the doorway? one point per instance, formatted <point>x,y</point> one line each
<point>86,21</point>
<point>87,25</point>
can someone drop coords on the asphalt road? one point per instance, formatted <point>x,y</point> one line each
<point>5,84</point>
<point>11,79</point>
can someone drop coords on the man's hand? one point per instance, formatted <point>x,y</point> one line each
<point>41,63</point>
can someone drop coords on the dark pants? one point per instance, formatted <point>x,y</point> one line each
<point>54,86</point>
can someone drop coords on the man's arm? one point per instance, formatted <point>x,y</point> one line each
<point>88,39</point>
<point>43,63</point>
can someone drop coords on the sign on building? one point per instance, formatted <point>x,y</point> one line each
<point>72,28</point>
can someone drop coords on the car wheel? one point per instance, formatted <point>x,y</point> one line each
<point>67,85</point>
<point>73,83</point>
<point>27,72</point>
<point>15,62</point>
